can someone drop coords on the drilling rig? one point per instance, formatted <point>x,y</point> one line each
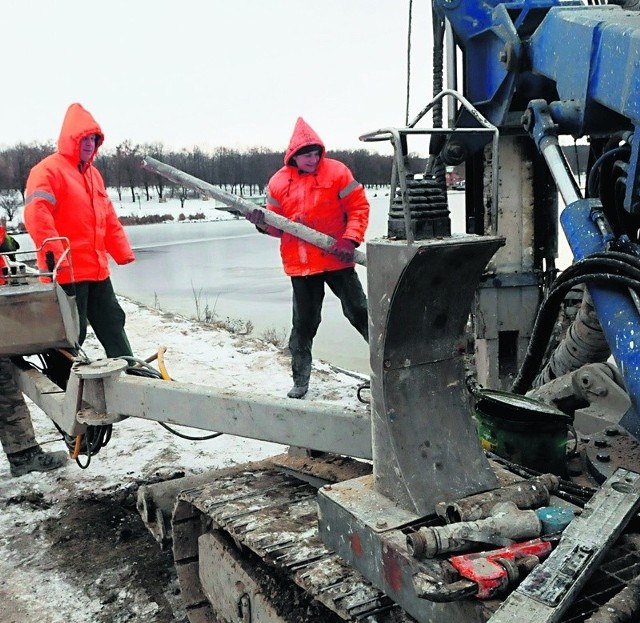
<point>497,475</point>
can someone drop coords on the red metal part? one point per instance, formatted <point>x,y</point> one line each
<point>487,571</point>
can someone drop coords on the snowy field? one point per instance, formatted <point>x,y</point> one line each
<point>54,568</point>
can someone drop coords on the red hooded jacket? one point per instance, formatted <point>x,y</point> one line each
<point>3,262</point>
<point>68,198</point>
<point>330,201</point>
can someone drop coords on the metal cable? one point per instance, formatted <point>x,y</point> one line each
<point>406,121</point>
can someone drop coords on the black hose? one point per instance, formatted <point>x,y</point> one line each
<point>595,169</point>
<point>578,273</point>
<point>143,369</point>
<point>93,440</point>
<point>618,263</point>
<point>189,437</point>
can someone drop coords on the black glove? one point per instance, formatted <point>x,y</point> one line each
<point>7,244</point>
<point>256,217</point>
<point>343,249</point>
<point>50,260</point>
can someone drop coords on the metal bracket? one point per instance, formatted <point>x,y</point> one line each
<point>398,139</point>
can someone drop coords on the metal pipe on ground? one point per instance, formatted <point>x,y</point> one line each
<point>323,241</point>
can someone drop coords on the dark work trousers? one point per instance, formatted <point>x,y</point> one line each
<point>308,294</point>
<point>98,306</point>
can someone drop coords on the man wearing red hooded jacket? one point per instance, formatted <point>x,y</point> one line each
<point>320,193</point>
<point>66,197</point>
<point>4,248</point>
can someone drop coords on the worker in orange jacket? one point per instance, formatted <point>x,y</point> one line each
<point>4,248</point>
<point>66,197</point>
<point>321,193</point>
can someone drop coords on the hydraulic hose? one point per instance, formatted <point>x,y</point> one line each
<point>583,343</point>
<point>592,182</point>
<point>609,269</point>
<point>142,368</point>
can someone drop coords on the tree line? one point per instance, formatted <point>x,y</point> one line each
<point>241,172</point>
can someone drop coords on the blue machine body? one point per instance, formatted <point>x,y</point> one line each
<point>584,62</point>
<point>617,313</point>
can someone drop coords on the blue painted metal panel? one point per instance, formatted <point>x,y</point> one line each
<point>617,75</point>
<point>575,30</point>
<point>601,46</point>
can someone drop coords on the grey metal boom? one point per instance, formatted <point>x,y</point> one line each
<point>107,396</point>
<point>244,206</point>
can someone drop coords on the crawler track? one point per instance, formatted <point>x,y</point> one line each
<point>272,517</point>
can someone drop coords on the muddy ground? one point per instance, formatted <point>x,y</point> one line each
<point>101,544</point>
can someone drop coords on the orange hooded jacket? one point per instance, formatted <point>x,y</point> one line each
<point>68,198</point>
<point>3,262</point>
<point>330,201</point>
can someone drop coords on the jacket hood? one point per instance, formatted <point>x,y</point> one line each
<point>303,135</point>
<point>78,123</point>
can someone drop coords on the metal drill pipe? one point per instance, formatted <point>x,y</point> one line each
<point>525,494</point>
<point>323,241</point>
<point>506,525</point>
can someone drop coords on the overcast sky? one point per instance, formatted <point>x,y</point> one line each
<point>233,73</point>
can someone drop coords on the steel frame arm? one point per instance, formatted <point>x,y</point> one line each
<point>97,393</point>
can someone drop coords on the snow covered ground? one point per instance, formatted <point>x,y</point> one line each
<point>72,546</point>
<point>70,540</point>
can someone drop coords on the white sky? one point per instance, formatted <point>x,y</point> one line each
<point>233,73</point>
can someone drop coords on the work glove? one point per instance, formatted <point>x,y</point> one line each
<point>8,243</point>
<point>51,260</point>
<point>343,249</point>
<point>256,217</point>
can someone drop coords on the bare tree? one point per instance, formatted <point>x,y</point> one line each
<point>23,158</point>
<point>261,164</point>
<point>128,166</point>
<point>183,193</point>
<point>155,150</point>
<point>6,172</point>
<point>237,171</point>
<point>9,203</point>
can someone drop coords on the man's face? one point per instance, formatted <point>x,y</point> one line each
<point>87,147</point>
<point>308,162</point>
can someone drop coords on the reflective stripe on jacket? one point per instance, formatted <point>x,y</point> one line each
<point>64,201</point>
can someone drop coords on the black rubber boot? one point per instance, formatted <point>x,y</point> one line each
<point>298,391</point>
<point>35,460</point>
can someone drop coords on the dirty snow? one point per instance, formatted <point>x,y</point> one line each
<point>45,517</point>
